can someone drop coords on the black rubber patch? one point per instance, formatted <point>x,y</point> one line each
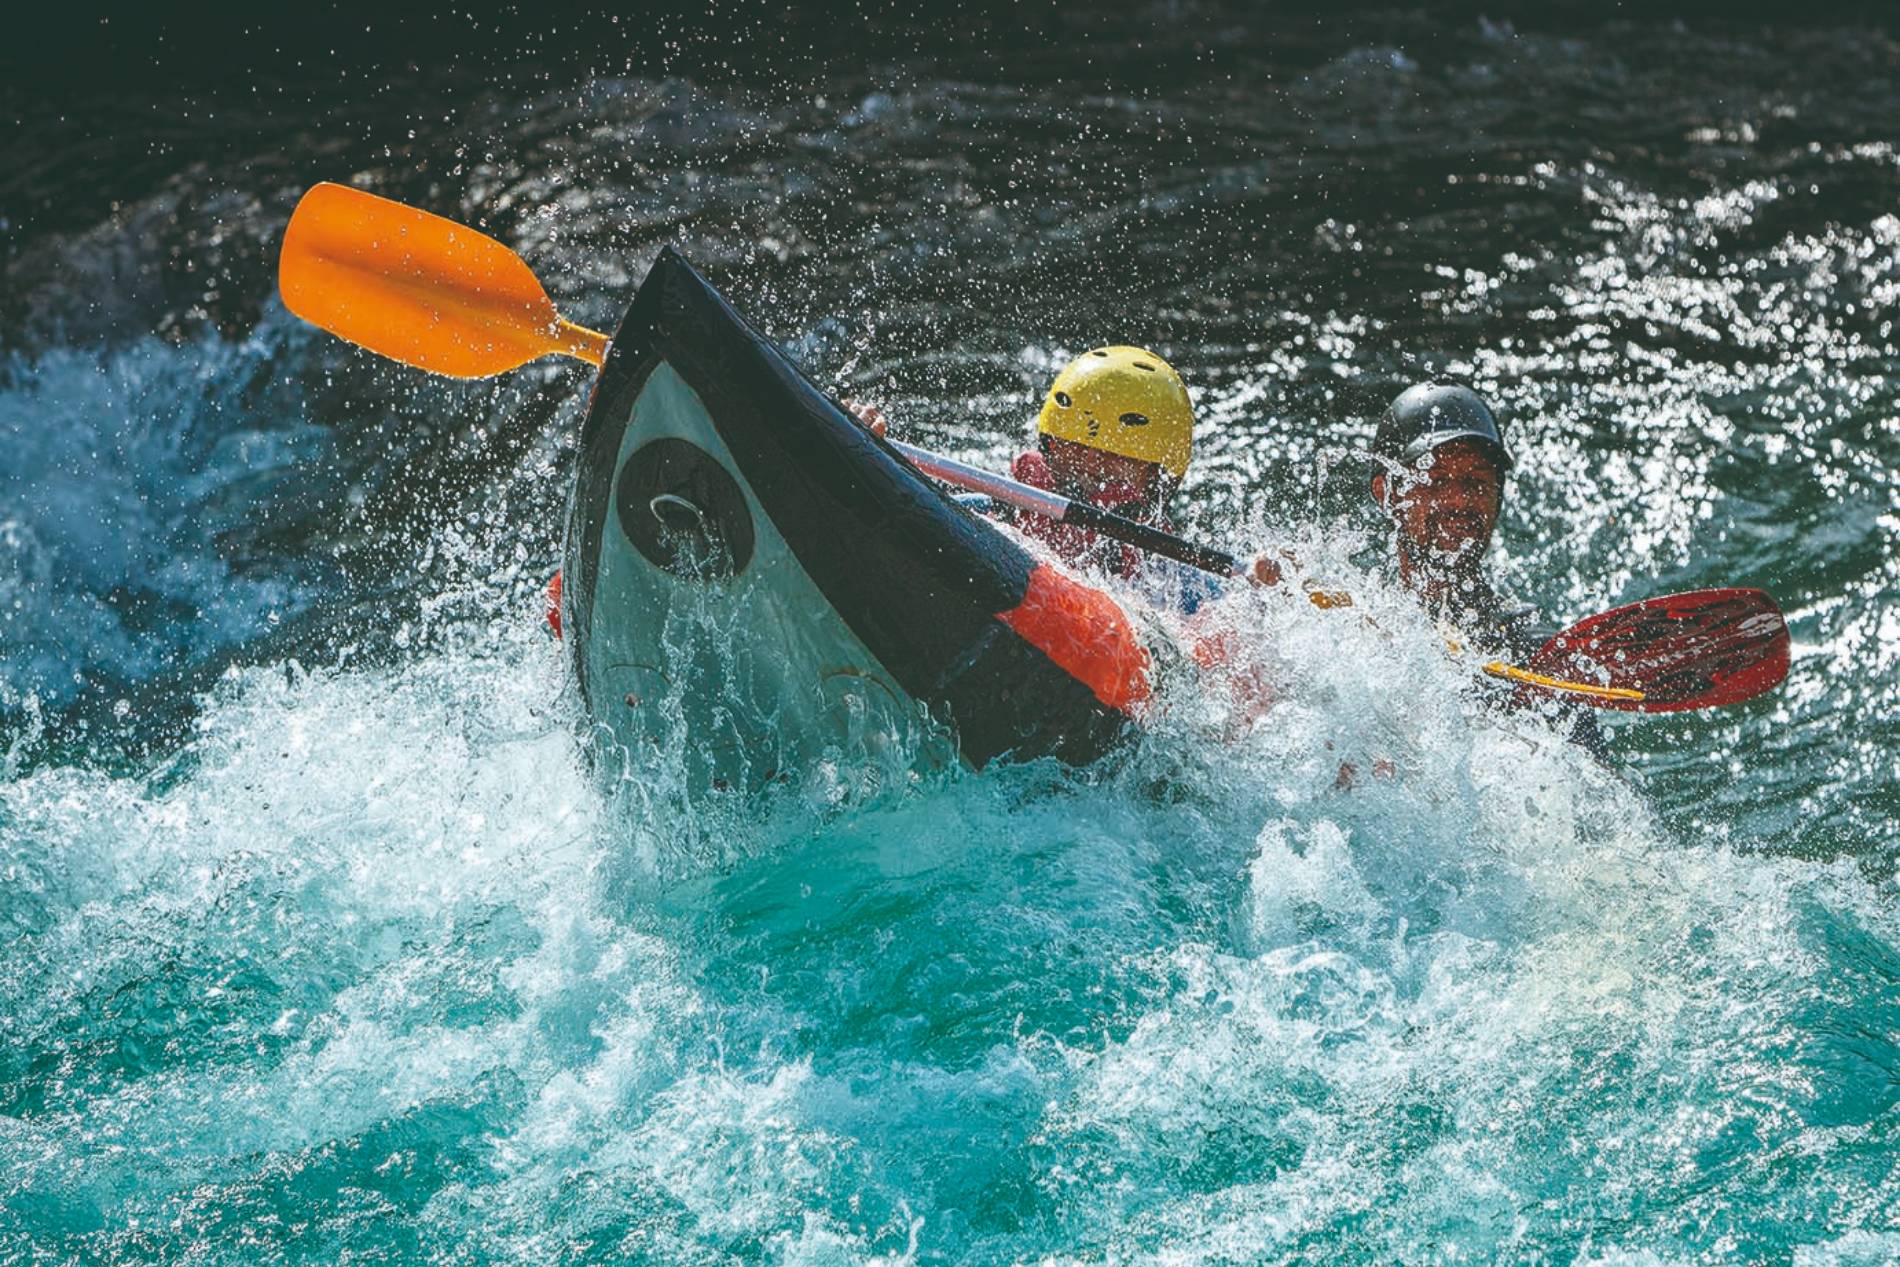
<point>684,511</point>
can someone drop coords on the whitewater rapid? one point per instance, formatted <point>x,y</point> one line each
<point>382,946</point>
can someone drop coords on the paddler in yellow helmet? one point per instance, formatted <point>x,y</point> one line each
<point>1117,431</point>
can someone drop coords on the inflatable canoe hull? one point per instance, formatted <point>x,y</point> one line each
<point>751,578</point>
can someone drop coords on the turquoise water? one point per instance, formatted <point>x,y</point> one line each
<point>326,943</point>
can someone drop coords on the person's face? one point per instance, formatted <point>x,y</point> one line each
<point>1449,505</point>
<point>1127,486</point>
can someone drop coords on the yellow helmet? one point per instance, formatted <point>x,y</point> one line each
<point>1127,401</point>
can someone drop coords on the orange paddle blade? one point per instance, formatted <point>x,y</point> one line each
<point>419,289</point>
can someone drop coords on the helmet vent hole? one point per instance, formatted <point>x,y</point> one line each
<point>1101,352</point>
<point>1134,420</point>
<point>1062,398</point>
<point>1143,365</point>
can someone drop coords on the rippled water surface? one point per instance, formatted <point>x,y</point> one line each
<point>324,943</point>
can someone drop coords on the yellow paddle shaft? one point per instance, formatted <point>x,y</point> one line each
<point>1510,672</point>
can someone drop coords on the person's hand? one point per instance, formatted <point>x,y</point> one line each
<point>1270,569</point>
<point>1032,469</point>
<point>870,417</point>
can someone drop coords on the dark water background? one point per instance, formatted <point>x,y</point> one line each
<point>323,942</point>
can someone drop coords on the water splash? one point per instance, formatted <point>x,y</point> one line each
<point>133,510</point>
<point>371,961</point>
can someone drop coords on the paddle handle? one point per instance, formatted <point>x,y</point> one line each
<point>1066,510</point>
<point>581,343</point>
<point>1150,538</point>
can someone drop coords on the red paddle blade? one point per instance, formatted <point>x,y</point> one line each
<point>1682,651</point>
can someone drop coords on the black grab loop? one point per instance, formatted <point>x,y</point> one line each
<point>684,511</point>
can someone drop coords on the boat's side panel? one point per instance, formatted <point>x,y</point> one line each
<point>706,634</point>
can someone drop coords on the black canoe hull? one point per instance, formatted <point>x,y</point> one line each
<point>744,563</point>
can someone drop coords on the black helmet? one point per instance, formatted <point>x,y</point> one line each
<point>1430,414</point>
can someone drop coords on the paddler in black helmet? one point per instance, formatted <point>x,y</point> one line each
<point>1440,464</point>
